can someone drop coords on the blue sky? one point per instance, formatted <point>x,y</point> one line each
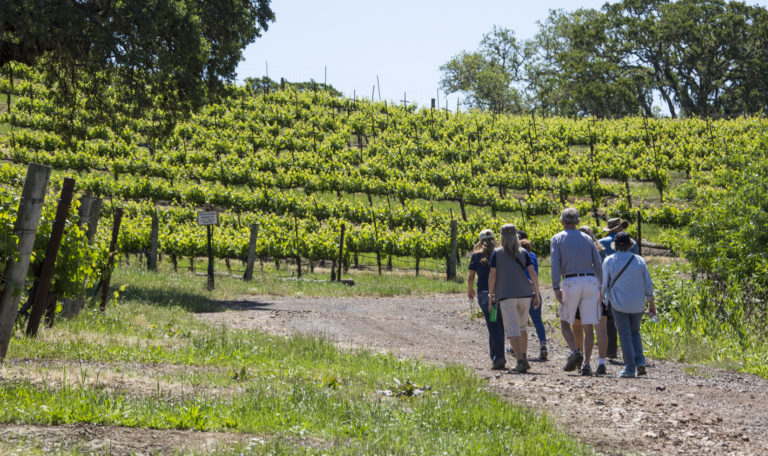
<point>403,42</point>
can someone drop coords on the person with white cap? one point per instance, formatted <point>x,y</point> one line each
<point>512,291</point>
<point>479,266</point>
<point>575,261</point>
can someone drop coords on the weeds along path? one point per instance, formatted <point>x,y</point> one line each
<point>114,440</point>
<point>676,409</point>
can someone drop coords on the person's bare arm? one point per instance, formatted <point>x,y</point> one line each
<point>471,285</point>
<point>492,285</point>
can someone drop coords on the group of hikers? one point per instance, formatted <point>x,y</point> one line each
<point>600,285</point>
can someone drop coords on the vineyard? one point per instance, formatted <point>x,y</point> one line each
<point>301,163</point>
<point>299,168</point>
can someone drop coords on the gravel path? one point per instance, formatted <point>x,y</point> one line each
<point>669,411</point>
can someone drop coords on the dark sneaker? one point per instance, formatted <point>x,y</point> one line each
<point>521,367</point>
<point>586,371</point>
<point>600,370</point>
<point>499,365</point>
<point>625,374</point>
<point>641,370</point>
<point>527,364</point>
<point>612,355</point>
<point>574,360</point>
<point>543,353</point>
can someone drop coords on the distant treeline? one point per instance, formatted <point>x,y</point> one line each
<point>704,58</point>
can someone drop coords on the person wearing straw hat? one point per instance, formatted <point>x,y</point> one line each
<point>627,286</point>
<point>615,226</point>
<point>479,266</point>
<point>512,291</point>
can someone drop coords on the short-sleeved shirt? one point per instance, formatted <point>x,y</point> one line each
<point>482,271</point>
<point>606,243</point>
<point>511,280</point>
<point>535,262</point>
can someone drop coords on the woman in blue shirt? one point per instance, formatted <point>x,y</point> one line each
<point>479,266</point>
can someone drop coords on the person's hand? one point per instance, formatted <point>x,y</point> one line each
<point>471,293</point>
<point>559,296</point>
<point>536,301</point>
<point>652,309</point>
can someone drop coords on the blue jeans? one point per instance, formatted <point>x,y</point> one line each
<point>628,326</point>
<point>537,323</point>
<point>495,329</point>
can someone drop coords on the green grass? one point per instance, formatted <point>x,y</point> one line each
<point>190,287</point>
<point>217,379</point>
<point>699,325</point>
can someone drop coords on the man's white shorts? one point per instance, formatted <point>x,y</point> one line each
<point>580,293</point>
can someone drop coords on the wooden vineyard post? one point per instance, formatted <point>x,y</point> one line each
<point>111,260</point>
<point>40,301</point>
<point>296,246</point>
<point>340,263</point>
<point>209,218</point>
<point>210,283</point>
<point>639,232</point>
<point>251,252</point>
<point>452,256</point>
<point>27,219</point>
<point>153,236</point>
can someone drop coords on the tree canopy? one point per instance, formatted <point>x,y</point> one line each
<point>487,76</point>
<point>167,54</point>
<point>700,57</point>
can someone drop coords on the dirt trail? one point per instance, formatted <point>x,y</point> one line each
<point>670,411</point>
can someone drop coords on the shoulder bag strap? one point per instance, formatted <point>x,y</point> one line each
<point>613,282</point>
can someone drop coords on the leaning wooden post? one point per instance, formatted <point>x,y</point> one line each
<point>251,252</point>
<point>451,269</point>
<point>40,301</point>
<point>341,254</point>
<point>639,232</point>
<point>111,260</point>
<point>154,234</point>
<point>25,229</point>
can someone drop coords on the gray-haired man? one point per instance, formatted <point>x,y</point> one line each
<point>575,258</point>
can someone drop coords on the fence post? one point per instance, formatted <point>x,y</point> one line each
<point>111,260</point>
<point>40,301</point>
<point>93,219</point>
<point>210,283</point>
<point>153,237</point>
<point>27,219</point>
<point>451,269</point>
<point>639,232</point>
<point>341,254</point>
<point>251,252</point>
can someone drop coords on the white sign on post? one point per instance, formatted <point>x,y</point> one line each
<point>207,218</point>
